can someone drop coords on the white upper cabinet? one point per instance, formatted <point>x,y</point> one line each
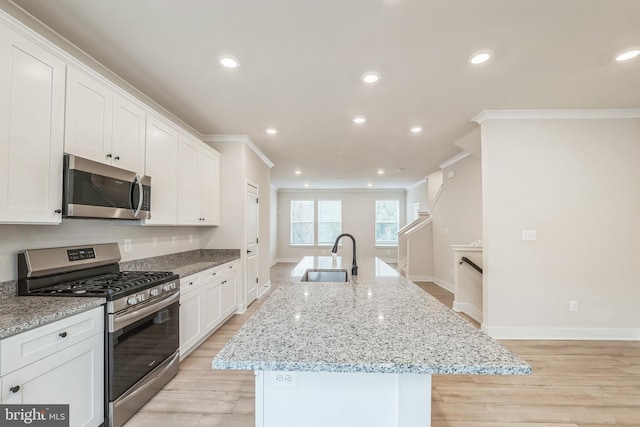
<point>31,131</point>
<point>188,203</point>
<point>209,186</point>
<point>198,183</point>
<point>162,167</point>
<point>102,125</point>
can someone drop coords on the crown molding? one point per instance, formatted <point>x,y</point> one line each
<point>453,160</point>
<point>611,113</point>
<point>244,139</point>
<point>414,185</point>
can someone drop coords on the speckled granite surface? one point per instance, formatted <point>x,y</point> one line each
<point>184,263</point>
<point>19,314</point>
<point>379,322</point>
<point>8,289</point>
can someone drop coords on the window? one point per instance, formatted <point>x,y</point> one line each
<point>387,215</point>
<point>329,221</point>
<point>302,219</point>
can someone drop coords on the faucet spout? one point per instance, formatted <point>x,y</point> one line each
<point>354,264</point>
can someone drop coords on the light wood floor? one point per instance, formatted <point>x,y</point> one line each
<point>574,384</point>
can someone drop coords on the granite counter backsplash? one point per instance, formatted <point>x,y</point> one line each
<point>8,289</point>
<point>183,263</point>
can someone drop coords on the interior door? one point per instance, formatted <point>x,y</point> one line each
<point>251,242</point>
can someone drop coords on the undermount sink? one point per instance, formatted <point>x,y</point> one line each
<point>324,275</point>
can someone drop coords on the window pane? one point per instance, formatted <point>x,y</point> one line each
<point>387,217</point>
<point>302,233</point>
<point>302,210</point>
<point>302,219</point>
<point>329,221</point>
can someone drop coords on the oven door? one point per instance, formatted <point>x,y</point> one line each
<point>139,341</point>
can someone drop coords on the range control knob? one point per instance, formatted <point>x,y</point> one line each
<point>154,292</point>
<point>140,297</point>
<point>132,300</point>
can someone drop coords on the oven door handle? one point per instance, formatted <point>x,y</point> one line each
<point>117,322</point>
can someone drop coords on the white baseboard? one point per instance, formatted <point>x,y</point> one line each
<point>264,288</point>
<point>415,278</point>
<point>508,333</point>
<point>469,309</point>
<point>443,284</point>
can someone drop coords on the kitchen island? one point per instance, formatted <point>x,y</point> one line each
<point>356,354</point>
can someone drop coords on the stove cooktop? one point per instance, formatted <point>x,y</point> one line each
<point>108,285</point>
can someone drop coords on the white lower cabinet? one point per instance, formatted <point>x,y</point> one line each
<point>206,301</point>
<point>69,368</point>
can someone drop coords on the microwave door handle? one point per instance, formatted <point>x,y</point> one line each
<point>138,180</point>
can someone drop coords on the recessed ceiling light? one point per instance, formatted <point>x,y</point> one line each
<point>359,119</point>
<point>306,184</point>
<point>371,77</point>
<point>369,185</point>
<point>298,171</point>
<point>229,62</point>
<point>480,57</point>
<point>380,171</point>
<point>627,55</point>
<point>416,129</point>
<point>271,131</point>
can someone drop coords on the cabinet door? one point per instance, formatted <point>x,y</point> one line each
<point>211,313</point>
<point>188,203</point>
<point>190,320</point>
<point>161,165</point>
<point>73,376</point>
<point>228,295</point>
<point>209,179</point>
<point>31,131</point>
<point>127,147</point>
<point>89,118</point>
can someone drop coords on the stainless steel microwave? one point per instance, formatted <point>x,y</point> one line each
<point>96,190</point>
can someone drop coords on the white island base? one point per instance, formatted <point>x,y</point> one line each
<point>336,399</point>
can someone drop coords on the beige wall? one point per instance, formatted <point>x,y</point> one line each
<point>434,183</point>
<point>456,216</point>
<point>418,193</point>
<point>273,220</point>
<point>577,182</point>
<point>358,219</point>
<point>14,238</point>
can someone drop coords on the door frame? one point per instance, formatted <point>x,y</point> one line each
<point>245,286</point>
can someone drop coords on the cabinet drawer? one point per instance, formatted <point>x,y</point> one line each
<point>28,347</point>
<point>190,283</point>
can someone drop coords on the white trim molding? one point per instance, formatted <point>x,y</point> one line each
<point>244,139</point>
<point>420,278</point>
<point>454,159</point>
<point>611,113</point>
<point>470,310</point>
<point>524,333</point>
<point>444,284</point>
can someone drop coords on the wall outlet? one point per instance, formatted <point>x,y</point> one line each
<point>284,379</point>
<point>127,245</point>
<point>174,239</point>
<point>155,242</point>
<point>529,235</point>
<point>190,239</point>
<point>573,305</point>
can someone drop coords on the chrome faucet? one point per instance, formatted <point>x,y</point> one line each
<point>354,265</point>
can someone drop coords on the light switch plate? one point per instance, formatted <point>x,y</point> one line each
<point>529,235</point>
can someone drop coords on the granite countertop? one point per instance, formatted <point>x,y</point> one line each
<point>379,322</point>
<point>184,263</point>
<point>19,314</point>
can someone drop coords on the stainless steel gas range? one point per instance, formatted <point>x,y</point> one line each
<point>142,317</point>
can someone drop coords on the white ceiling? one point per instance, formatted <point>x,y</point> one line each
<point>301,63</point>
